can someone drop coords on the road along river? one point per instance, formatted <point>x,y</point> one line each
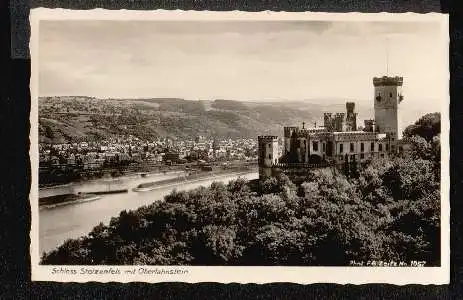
<point>72,221</point>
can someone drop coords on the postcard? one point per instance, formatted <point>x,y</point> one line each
<point>239,147</point>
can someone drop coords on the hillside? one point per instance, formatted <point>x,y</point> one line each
<point>69,119</point>
<point>76,118</point>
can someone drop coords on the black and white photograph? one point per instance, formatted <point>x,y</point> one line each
<point>167,142</point>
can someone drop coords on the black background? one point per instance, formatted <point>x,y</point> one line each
<point>15,281</point>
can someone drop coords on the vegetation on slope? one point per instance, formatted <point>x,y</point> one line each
<point>71,119</point>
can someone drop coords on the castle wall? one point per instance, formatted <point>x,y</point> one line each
<point>356,139</point>
<point>265,172</point>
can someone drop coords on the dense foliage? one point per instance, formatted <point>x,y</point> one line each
<point>388,211</point>
<point>426,127</point>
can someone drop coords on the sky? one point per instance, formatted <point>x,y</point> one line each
<point>240,60</point>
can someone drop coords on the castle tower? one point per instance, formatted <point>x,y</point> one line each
<point>288,135</point>
<point>351,117</point>
<point>328,121</point>
<point>268,154</point>
<point>387,97</point>
<point>340,122</point>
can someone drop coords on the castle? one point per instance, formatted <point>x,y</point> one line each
<point>339,140</point>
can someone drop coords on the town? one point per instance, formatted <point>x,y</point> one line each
<point>132,154</point>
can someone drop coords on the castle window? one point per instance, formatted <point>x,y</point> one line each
<point>382,155</point>
<point>270,156</point>
<point>362,147</point>
<point>387,147</point>
<point>315,146</point>
<point>351,147</point>
<point>362,156</point>
<point>392,148</point>
<point>378,98</point>
<point>390,95</point>
<point>341,148</point>
<point>324,147</point>
<point>372,147</point>
<point>380,147</point>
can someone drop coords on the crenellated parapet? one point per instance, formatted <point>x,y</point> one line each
<point>335,122</point>
<point>388,81</point>
<point>369,125</point>
<point>267,137</point>
<point>288,131</point>
<point>350,107</point>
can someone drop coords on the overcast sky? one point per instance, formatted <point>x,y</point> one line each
<point>239,60</point>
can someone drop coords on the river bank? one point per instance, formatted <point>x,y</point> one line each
<point>104,184</point>
<point>189,178</point>
<point>72,221</point>
<point>126,176</point>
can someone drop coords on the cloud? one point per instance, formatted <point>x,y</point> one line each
<point>232,60</point>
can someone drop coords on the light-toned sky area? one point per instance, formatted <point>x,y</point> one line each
<point>240,60</point>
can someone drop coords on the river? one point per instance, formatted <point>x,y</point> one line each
<point>72,221</point>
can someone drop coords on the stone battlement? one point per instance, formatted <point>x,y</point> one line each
<point>267,137</point>
<point>290,128</point>
<point>388,81</point>
<point>350,107</point>
<point>301,165</point>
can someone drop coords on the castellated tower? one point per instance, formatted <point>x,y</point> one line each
<point>351,117</point>
<point>328,121</point>
<point>388,95</point>
<point>268,154</point>
<point>289,135</point>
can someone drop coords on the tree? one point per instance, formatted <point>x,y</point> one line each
<point>49,132</point>
<point>410,179</point>
<point>71,252</point>
<point>419,147</point>
<point>269,186</point>
<point>426,127</point>
<point>216,245</point>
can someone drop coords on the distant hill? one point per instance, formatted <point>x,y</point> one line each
<point>75,118</point>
